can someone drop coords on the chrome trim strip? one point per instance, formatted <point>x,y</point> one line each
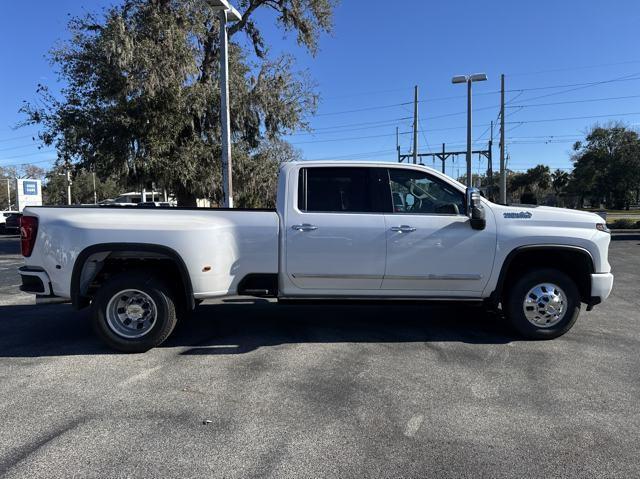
<point>437,277</point>
<point>383,298</point>
<point>440,277</point>
<point>336,276</point>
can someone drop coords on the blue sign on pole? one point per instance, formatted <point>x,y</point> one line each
<point>30,188</point>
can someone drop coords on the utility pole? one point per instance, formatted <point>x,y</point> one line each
<point>490,157</point>
<point>443,157</point>
<point>398,143</point>
<point>68,186</point>
<point>95,194</point>
<point>415,126</point>
<point>503,173</point>
<point>8,194</point>
<point>469,126</point>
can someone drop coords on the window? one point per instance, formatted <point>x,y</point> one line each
<point>348,190</point>
<point>417,192</point>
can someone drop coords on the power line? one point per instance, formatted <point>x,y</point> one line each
<point>28,154</point>
<point>358,110</point>
<point>393,90</point>
<point>29,163</point>
<point>582,86</point>
<point>4,140</point>
<point>30,145</point>
<point>356,155</point>
<point>572,118</point>
<point>577,101</point>
<point>515,123</point>
<point>584,67</point>
<point>364,125</point>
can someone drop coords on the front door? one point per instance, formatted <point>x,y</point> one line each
<point>335,232</point>
<point>431,248</point>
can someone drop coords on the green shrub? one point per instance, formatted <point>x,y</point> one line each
<point>624,224</point>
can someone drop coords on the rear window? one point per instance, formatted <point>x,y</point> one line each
<point>347,190</point>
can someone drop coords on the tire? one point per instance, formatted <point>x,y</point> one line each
<point>540,320</point>
<point>127,301</point>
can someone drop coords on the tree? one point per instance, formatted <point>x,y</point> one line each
<point>607,167</point>
<point>141,98</point>
<point>530,186</point>
<point>55,188</point>
<point>559,181</point>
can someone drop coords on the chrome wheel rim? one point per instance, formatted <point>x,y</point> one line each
<point>131,313</point>
<point>545,305</point>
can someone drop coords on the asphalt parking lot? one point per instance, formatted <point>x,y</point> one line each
<point>255,389</point>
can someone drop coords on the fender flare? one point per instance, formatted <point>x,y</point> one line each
<point>80,301</point>
<point>494,297</point>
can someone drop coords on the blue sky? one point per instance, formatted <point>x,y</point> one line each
<point>568,64</point>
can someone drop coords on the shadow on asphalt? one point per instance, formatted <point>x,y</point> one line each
<point>9,245</point>
<point>625,237</point>
<point>241,326</point>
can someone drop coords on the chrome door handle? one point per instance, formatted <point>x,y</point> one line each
<point>304,227</point>
<point>403,229</point>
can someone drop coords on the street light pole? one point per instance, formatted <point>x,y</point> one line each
<point>226,12</point>
<point>227,181</point>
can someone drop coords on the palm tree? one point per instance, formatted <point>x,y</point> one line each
<point>559,181</point>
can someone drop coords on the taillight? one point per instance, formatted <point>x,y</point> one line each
<point>28,233</point>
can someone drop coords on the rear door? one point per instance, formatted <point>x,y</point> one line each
<point>335,231</point>
<point>431,248</point>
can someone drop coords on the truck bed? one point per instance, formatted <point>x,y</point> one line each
<point>218,246</point>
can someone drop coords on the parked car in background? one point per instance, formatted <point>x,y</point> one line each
<point>3,218</point>
<point>12,223</point>
<point>154,204</point>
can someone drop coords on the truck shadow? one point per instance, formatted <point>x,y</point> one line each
<point>241,326</point>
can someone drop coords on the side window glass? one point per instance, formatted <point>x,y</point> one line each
<point>345,190</point>
<point>417,192</point>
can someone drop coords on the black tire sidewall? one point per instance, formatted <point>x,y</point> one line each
<point>157,290</point>
<point>515,298</point>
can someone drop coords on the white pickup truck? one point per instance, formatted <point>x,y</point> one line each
<point>351,231</point>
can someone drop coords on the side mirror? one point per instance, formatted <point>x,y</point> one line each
<point>475,210</point>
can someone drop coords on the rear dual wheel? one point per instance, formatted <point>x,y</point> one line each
<point>134,312</point>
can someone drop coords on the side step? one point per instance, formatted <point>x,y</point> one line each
<point>261,285</point>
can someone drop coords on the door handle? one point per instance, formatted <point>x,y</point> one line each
<point>304,227</point>
<point>403,229</point>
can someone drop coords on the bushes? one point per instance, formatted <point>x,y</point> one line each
<point>624,224</point>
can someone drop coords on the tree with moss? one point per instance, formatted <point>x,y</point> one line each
<point>141,95</point>
<point>607,167</point>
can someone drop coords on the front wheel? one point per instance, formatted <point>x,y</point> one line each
<point>543,304</point>
<point>134,312</point>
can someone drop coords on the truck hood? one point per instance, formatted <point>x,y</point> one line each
<point>546,214</point>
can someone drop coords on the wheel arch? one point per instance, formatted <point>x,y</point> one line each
<point>80,300</point>
<point>528,255</point>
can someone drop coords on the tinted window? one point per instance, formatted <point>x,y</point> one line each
<point>336,190</point>
<point>417,192</point>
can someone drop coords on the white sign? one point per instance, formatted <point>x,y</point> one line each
<point>29,193</point>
